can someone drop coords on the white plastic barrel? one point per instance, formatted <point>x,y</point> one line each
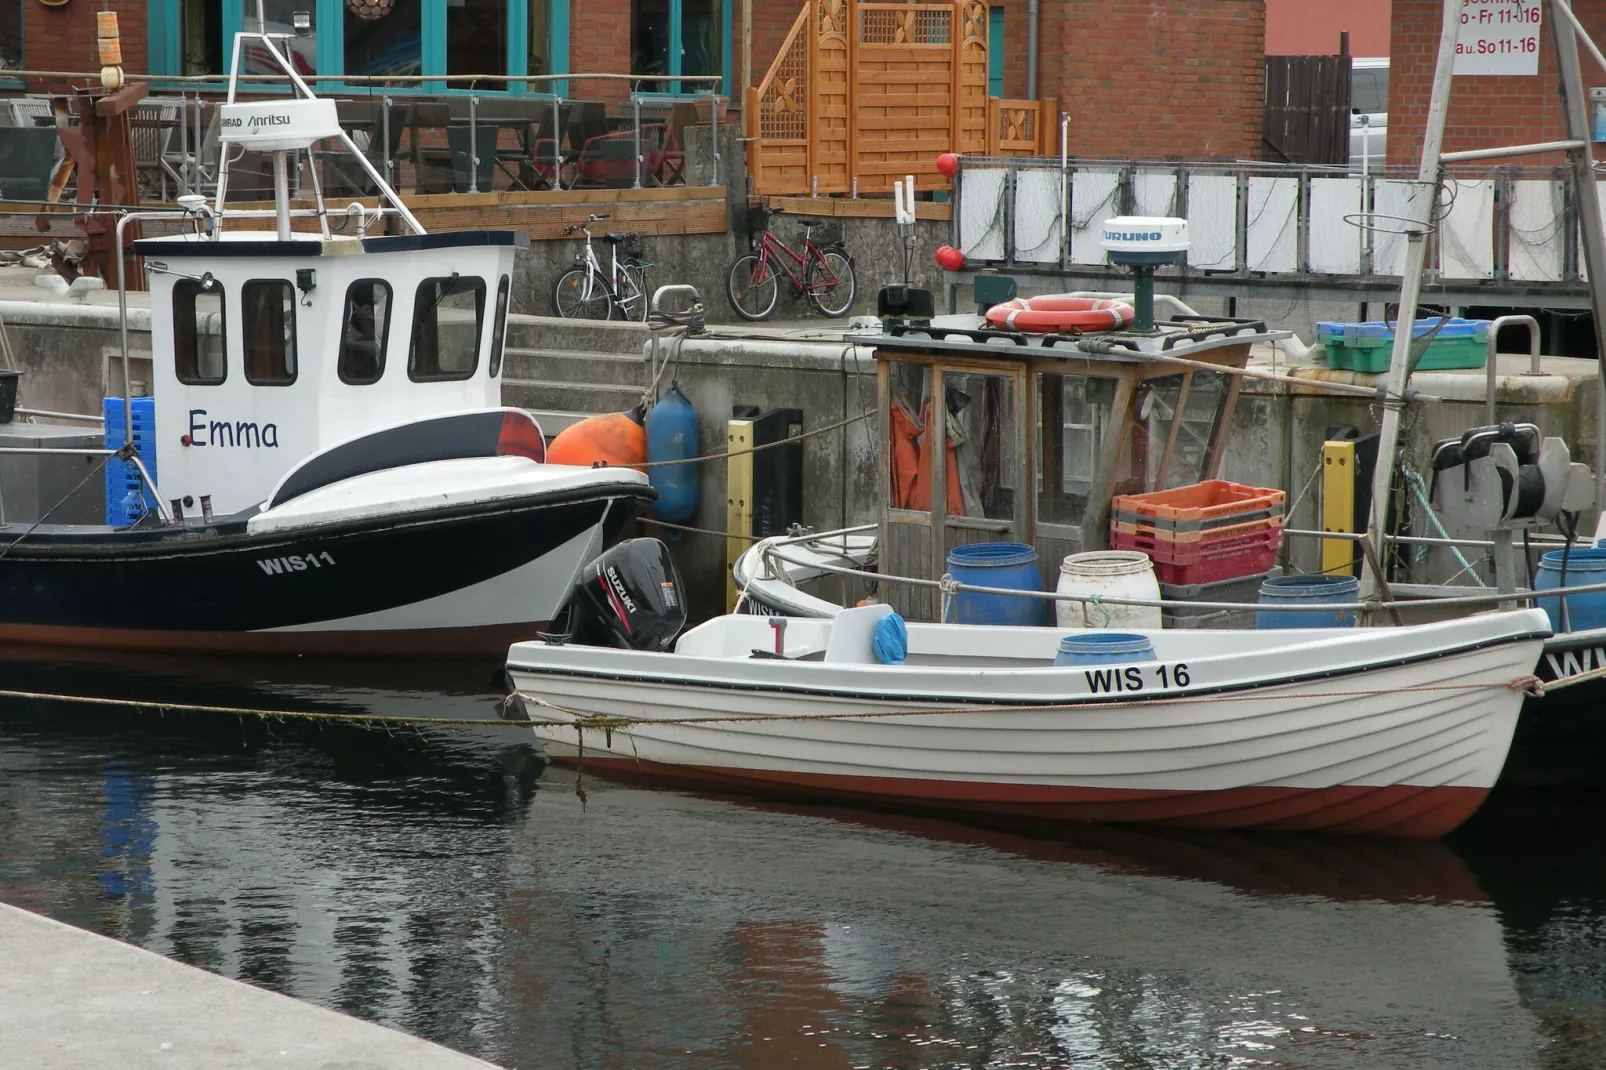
<point>1108,574</point>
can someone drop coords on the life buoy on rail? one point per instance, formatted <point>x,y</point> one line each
<point>1058,312</point>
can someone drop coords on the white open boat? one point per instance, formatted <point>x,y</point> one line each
<point>1389,731</point>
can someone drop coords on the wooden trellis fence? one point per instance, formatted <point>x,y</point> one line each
<point>865,92</point>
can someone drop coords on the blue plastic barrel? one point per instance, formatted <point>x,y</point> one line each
<point>1104,648</point>
<point>1307,591</point>
<point>672,436</point>
<point>1584,568</point>
<point>1011,565</point>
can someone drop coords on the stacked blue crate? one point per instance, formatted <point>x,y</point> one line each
<point>127,497</point>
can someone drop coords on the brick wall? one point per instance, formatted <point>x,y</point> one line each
<point>1485,112</point>
<point>63,38</point>
<point>1154,78</point>
<point>599,43</point>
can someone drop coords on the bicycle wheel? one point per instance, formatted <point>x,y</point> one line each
<point>752,287</point>
<point>632,300</point>
<point>832,285</point>
<point>581,294</point>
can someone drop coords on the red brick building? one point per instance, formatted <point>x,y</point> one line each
<point>1140,78</point>
<point>1485,111</point>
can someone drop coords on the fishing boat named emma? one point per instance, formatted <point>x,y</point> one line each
<point>325,466</point>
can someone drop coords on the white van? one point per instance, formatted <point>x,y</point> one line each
<point>1369,114</point>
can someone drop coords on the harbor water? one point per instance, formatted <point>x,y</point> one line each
<point>442,880</point>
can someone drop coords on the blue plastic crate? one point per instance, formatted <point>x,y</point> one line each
<point>127,497</point>
<point>1367,347</point>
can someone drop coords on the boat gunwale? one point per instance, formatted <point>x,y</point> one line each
<point>1118,698</point>
<point>128,543</point>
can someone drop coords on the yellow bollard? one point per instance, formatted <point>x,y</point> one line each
<point>1338,507</point>
<point>738,500</point>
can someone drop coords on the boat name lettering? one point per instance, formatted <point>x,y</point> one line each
<point>1574,662</point>
<point>279,566</point>
<point>246,433</point>
<point>1108,681</point>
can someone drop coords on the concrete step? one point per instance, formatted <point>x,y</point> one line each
<point>574,366</point>
<point>588,336</point>
<point>560,396</point>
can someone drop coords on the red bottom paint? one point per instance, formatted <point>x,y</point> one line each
<point>490,641</point>
<point>1396,810</point>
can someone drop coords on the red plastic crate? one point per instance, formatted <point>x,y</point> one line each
<point>1209,561</point>
<point>1213,499</point>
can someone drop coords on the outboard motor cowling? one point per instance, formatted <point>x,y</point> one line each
<point>630,597</point>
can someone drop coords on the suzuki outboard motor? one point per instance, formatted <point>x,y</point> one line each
<point>628,597</point>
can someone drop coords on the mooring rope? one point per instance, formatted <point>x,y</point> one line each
<point>750,449</point>
<point>581,719</point>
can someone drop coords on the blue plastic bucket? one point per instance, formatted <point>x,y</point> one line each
<point>1307,591</point>
<point>1011,565</point>
<point>1104,648</point>
<point>1584,568</point>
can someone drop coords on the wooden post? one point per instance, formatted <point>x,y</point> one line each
<point>738,501</point>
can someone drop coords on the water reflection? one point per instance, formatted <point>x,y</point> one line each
<point>447,885</point>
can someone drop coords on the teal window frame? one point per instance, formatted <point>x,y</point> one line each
<point>677,42</point>
<point>995,50</point>
<point>163,29</point>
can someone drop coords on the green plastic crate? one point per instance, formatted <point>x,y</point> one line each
<point>1364,347</point>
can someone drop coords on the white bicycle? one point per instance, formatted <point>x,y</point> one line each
<point>587,292</point>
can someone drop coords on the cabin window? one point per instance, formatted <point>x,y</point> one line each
<point>1075,413</point>
<point>447,317</point>
<point>981,434</point>
<point>268,331</point>
<point>363,331</point>
<point>198,332</point>
<point>499,327</point>
<point>1200,408</point>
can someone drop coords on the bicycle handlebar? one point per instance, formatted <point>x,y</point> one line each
<point>598,217</point>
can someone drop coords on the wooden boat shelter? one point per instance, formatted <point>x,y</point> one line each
<point>1042,431</point>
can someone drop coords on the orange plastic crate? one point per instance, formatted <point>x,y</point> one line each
<point>1210,500</point>
<point>1197,535</point>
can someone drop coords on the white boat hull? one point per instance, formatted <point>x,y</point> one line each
<point>1384,731</point>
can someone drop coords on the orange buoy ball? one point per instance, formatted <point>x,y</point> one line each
<point>948,165</point>
<point>949,258</point>
<point>613,437</point>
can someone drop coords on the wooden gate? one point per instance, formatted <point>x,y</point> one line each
<point>864,92</point>
<point>1307,109</point>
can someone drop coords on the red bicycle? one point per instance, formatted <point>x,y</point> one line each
<point>823,272</point>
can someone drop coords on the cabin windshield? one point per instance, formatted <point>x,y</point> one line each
<point>363,331</point>
<point>1075,412</point>
<point>447,317</point>
<point>268,331</point>
<point>198,313</point>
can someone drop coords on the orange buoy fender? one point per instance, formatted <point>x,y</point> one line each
<point>1058,312</point>
<point>614,438</point>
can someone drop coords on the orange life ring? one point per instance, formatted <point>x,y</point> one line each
<point>1057,312</point>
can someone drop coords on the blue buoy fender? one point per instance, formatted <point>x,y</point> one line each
<point>672,436</point>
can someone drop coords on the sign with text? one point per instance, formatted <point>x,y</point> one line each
<point>1499,37</point>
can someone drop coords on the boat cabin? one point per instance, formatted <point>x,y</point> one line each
<point>266,350</point>
<point>1042,430</point>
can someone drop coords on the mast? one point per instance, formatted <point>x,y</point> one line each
<point>1416,232</point>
